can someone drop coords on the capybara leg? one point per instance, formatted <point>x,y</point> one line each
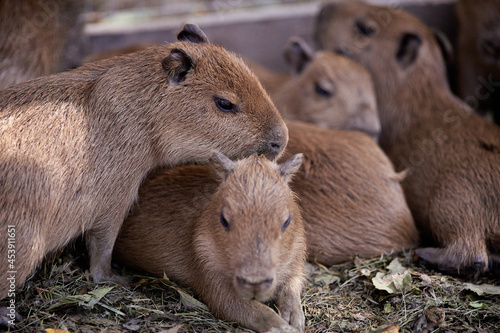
<point>248,313</point>
<point>100,242</point>
<point>458,258</point>
<point>289,304</point>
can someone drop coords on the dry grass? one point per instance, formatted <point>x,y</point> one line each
<point>341,298</point>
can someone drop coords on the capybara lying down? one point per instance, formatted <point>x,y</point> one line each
<point>39,38</point>
<point>350,196</point>
<point>75,146</point>
<point>478,54</point>
<point>234,236</point>
<point>326,89</point>
<point>452,155</point>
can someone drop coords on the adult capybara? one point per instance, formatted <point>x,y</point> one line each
<point>326,89</point>
<point>39,38</point>
<point>452,155</point>
<point>75,146</point>
<point>351,200</point>
<point>237,239</point>
<point>478,54</point>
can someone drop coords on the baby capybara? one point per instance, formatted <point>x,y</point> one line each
<point>325,89</point>
<point>234,236</point>
<point>452,155</point>
<point>75,146</point>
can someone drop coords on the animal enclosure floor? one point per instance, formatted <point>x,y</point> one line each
<point>364,295</point>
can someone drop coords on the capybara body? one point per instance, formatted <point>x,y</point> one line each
<point>39,38</point>
<point>478,54</point>
<point>326,89</point>
<point>75,146</point>
<point>350,196</point>
<point>452,155</point>
<point>236,238</point>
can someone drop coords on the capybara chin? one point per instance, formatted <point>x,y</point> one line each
<point>75,146</point>
<point>452,155</point>
<point>325,89</point>
<point>233,234</point>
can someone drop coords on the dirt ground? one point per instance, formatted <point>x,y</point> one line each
<point>387,294</point>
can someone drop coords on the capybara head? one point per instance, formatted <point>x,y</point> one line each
<point>479,21</point>
<point>204,95</point>
<point>372,35</point>
<point>256,233</point>
<point>328,90</point>
<point>398,50</point>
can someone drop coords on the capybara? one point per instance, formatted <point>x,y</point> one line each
<point>75,146</point>
<point>233,234</point>
<point>478,54</point>
<point>452,155</point>
<point>326,89</point>
<point>351,200</point>
<point>39,37</point>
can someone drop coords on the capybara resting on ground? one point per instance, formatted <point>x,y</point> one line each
<point>75,146</point>
<point>326,89</point>
<point>350,196</point>
<point>237,239</point>
<point>452,155</point>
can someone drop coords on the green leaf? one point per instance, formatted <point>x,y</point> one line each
<point>478,305</point>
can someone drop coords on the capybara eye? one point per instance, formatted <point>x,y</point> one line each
<point>322,91</point>
<point>287,223</point>
<point>224,105</point>
<point>364,29</point>
<point>224,222</point>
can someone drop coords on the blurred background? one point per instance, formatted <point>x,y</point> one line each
<point>257,29</point>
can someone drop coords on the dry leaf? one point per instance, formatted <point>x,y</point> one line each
<point>482,289</point>
<point>55,330</point>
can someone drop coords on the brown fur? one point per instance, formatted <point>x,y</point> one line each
<point>478,54</point>
<point>117,52</point>
<point>348,186</point>
<point>452,155</point>
<point>326,89</point>
<point>177,230</point>
<point>350,196</point>
<point>39,37</point>
<point>75,146</point>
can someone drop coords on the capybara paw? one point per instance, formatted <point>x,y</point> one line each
<point>294,315</point>
<point>8,318</point>
<point>452,263</point>
<point>283,329</point>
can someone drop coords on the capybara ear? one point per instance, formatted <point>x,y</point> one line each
<point>445,46</point>
<point>298,53</point>
<point>223,165</point>
<point>290,167</point>
<point>192,33</point>
<point>177,65</point>
<point>409,46</point>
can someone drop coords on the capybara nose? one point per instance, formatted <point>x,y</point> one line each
<point>275,144</point>
<point>257,284</point>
